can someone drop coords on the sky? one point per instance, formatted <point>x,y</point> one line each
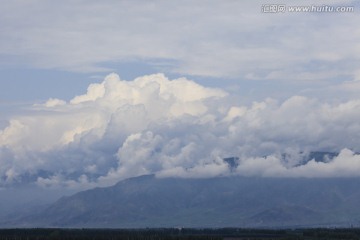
<point>93,92</point>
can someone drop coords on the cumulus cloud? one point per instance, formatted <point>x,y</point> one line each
<point>119,129</point>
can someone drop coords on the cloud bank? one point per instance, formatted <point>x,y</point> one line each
<point>208,38</point>
<point>119,129</point>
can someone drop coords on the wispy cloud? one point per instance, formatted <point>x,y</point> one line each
<point>209,38</point>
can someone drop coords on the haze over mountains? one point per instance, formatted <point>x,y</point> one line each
<point>147,201</point>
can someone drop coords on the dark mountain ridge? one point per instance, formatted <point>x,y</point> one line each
<point>147,201</point>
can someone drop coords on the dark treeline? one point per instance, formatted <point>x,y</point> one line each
<point>176,234</point>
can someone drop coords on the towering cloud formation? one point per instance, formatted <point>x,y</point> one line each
<point>120,129</point>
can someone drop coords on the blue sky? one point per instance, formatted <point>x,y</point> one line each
<point>260,84</point>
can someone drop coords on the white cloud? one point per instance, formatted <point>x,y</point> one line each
<point>52,102</point>
<point>346,164</point>
<point>119,129</point>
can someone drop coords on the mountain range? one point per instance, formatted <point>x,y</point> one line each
<point>148,201</point>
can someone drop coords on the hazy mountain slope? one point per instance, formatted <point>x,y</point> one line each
<point>229,201</point>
